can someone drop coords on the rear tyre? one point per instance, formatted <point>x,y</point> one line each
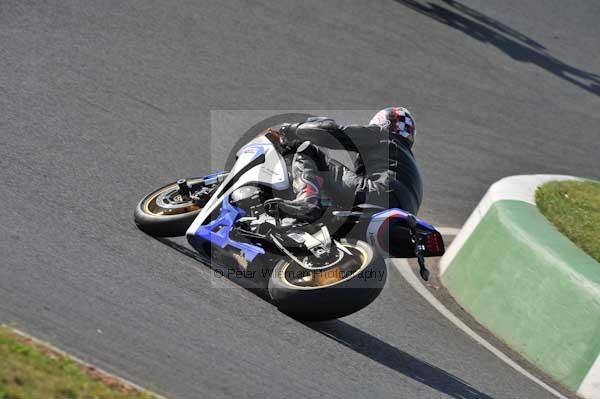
<point>352,283</point>
<point>165,212</point>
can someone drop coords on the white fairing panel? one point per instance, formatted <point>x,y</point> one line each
<point>272,173</point>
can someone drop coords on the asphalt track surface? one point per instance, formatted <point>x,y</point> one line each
<point>102,101</point>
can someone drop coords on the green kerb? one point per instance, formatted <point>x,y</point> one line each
<point>533,288</point>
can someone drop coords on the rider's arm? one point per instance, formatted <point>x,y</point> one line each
<point>327,133</point>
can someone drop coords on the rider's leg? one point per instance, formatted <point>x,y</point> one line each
<point>307,184</point>
<point>343,184</point>
<point>380,189</point>
<point>348,187</point>
<point>383,190</point>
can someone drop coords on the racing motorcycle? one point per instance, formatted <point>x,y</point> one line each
<point>313,271</point>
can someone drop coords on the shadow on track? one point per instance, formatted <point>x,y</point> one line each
<point>218,267</point>
<point>397,360</point>
<point>514,44</point>
<point>354,338</point>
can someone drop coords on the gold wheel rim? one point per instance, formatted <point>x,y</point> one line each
<point>327,277</point>
<point>151,207</point>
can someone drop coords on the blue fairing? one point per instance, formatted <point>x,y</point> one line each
<point>212,178</point>
<point>217,231</point>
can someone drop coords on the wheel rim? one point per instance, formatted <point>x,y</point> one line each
<point>342,270</point>
<point>167,201</point>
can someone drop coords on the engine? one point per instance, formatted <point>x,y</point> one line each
<point>251,199</point>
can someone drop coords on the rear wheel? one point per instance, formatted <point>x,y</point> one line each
<point>349,283</point>
<point>169,211</point>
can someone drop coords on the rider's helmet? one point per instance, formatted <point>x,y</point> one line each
<point>398,121</point>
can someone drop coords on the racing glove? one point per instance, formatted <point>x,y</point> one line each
<point>289,138</point>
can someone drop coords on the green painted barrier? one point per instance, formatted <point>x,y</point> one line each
<point>516,274</point>
<point>533,288</point>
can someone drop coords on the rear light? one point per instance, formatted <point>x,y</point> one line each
<point>394,239</point>
<point>434,244</point>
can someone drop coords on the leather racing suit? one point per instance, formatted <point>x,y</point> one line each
<point>384,173</point>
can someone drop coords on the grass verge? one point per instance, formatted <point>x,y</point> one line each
<point>30,370</point>
<point>574,208</point>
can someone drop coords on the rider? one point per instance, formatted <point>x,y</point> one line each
<point>385,172</point>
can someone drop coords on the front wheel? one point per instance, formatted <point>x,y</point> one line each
<point>352,282</point>
<point>167,212</point>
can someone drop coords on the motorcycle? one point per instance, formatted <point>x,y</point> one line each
<point>313,271</point>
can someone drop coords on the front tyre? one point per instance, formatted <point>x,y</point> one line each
<point>165,212</point>
<point>351,283</point>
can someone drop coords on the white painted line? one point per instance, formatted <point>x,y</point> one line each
<point>448,231</point>
<point>85,364</point>
<point>517,188</point>
<point>590,386</point>
<point>405,270</point>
